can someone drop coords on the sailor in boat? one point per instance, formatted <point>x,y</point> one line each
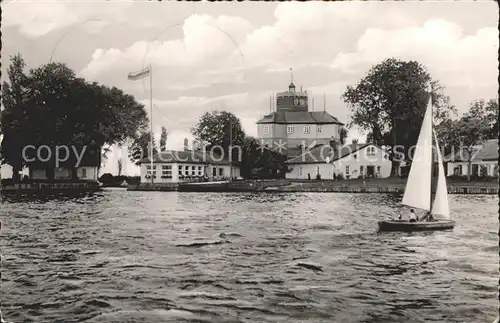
<point>427,217</point>
<point>412,217</point>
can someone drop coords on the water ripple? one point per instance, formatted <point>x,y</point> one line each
<point>120,256</point>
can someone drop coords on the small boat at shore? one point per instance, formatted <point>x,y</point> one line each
<point>418,186</point>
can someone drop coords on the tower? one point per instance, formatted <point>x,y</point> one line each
<point>292,100</point>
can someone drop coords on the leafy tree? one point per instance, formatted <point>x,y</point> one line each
<point>488,113</point>
<point>469,132</point>
<point>390,102</point>
<point>259,162</point>
<point>213,129</point>
<point>51,106</point>
<point>16,133</point>
<point>343,135</point>
<point>479,123</point>
<point>163,139</point>
<point>141,146</point>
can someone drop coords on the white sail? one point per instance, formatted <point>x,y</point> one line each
<point>440,208</point>
<point>418,187</point>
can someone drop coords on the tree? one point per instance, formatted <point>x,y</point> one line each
<point>261,163</point>
<point>488,113</point>
<point>141,146</point>
<point>213,129</point>
<point>163,139</point>
<point>479,123</point>
<point>343,135</point>
<point>51,106</point>
<point>16,133</point>
<point>390,102</point>
<point>469,132</point>
<point>120,165</point>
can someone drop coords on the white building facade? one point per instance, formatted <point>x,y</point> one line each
<point>349,162</point>
<point>89,173</point>
<point>293,126</point>
<point>186,166</point>
<point>484,161</point>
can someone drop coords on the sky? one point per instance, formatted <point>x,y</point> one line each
<point>234,56</point>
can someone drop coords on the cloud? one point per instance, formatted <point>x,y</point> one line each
<point>205,39</point>
<point>38,18</point>
<point>451,56</point>
<point>234,56</point>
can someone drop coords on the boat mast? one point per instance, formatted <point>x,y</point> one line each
<point>432,135</point>
<point>230,148</point>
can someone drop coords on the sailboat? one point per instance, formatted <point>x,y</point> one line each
<point>418,187</point>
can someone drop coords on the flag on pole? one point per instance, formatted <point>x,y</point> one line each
<point>139,74</point>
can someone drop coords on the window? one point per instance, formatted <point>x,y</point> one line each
<point>355,156</point>
<point>289,129</point>
<point>214,172</point>
<point>149,172</point>
<point>318,129</point>
<point>84,173</point>
<point>221,171</point>
<point>347,170</point>
<point>266,129</point>
<point>300,171</point>
<point>200,171</point>
<point>307,129</point>
<point>166,171</point>
<point>378,169</point>
<point>193,170</point>
<point>296,101</point>
<point>371,151</point>
<point>186,170</point>
<point>361,169</point>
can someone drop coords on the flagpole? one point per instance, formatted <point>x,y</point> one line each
<point>230,148</point>
<point>151,119</point>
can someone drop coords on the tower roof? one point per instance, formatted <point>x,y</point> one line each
<point>300,117</point>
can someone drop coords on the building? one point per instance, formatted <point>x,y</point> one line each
<point>176,166</point>
<point>88,167</point>
<point>484,160</point>
<point>349,161</point>
<point>292,126</point>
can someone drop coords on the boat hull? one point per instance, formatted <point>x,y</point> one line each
<point>406,226</point>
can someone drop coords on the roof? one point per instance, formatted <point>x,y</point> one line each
<point>186,156</point>
<point>320,153</point>
<point>488,151</point>
<point>89,156</point>
<point>300,117</point>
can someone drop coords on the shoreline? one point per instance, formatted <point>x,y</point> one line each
<point>318,186</point>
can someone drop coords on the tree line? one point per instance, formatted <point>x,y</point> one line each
<point>50,105</point>
<point>389,103</point>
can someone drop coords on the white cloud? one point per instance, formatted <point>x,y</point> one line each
<point>207,41</point>
<point>454,58</point>
<point>38,18</point>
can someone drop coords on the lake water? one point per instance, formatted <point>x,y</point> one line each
<point>119,256</point>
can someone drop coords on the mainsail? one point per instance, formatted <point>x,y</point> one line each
<point>440,206</point>
<point>418,187</point>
